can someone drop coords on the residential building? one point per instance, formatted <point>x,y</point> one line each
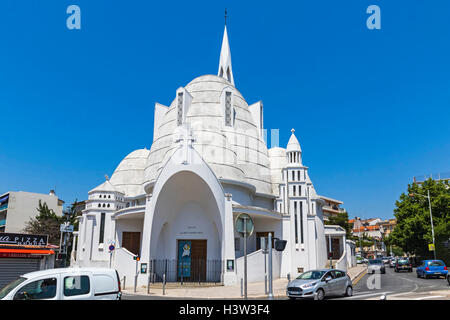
<point>18,207</point>
<point>331,207</point>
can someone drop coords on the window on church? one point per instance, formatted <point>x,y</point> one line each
<point>180,109</point>
<point>99,205</point>
<point>108,205</point>
<point>295,222</point>
<point>228,110</point>
<point>294,191</point>
<point>293,176</point>
<point>301,222</point>
<point>102,228</point>
<point>298,175</point>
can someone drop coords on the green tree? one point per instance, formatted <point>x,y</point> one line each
<point>341,219</point>
<point>47,222</point>
<point>413,230</point>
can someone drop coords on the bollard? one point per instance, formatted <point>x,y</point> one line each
<point>289,277</point>
<point>242,287</point>
<point>265,284</point>
<point>164,284</point>
<point>148,284</point>
<point>135,282</point>
<point>124,277</point>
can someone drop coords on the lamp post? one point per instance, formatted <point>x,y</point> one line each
<point>431,217</point>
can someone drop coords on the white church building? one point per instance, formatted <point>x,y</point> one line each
<point>175,205</point>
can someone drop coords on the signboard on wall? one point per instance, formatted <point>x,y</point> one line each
<point>23,239</point>
<point>184,258</point>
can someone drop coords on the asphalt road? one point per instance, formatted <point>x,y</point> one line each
<point>369,287</point>
<point>392,283</point>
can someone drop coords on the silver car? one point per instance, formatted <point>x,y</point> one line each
<point>320,283</point>
<point>376,266</point>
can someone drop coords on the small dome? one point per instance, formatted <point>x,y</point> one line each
<point>129,174</point>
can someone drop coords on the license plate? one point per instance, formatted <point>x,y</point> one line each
<point>437,273</point>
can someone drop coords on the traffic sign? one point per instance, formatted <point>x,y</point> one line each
<point>431,247</point>
<point>65,227</point>
<point>244,224</point>
<point>111,247</point>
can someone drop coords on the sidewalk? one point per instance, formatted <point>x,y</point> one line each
<point>254,289</point>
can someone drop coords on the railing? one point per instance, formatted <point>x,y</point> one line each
<point>197,270</point>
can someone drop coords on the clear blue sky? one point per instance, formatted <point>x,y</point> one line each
<point>371,108</point>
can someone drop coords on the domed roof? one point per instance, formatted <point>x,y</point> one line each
<point>129,174</point>
<point>234,153</point>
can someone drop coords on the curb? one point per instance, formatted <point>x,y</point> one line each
<point>358,277</point>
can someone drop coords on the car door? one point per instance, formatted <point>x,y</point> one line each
<point>77,286</point>
<point>40,288</point>
<point>330,286</point>
<point>341,282</point>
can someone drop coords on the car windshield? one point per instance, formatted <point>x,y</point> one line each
<point>375,261</point>
<point>403,261</point>
<point>10,286</point>
<point>311,275</point>
<point>436,264</point>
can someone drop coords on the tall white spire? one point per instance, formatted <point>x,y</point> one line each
<point>225,70</point>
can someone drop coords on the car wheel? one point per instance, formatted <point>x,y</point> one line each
<point>418,276</point>
<point>427,276</point>
<point>349,291</point>
<point>320,294</point>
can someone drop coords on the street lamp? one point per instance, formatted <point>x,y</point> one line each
<point>431,217</point>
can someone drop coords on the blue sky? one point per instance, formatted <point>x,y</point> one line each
<point>370,107</point>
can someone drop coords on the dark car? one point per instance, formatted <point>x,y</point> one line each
<point>403,264</point>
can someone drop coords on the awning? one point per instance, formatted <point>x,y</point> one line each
<point>29,251</point>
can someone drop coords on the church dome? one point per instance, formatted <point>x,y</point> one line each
<point>236,153</point>
<point>129,174</point>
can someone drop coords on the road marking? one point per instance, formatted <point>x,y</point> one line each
<point>369,295</point>
<point>360,277</point>
<point>430,297</point>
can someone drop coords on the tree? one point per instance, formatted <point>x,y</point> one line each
<point>341,219</point>
<point>413,230</point>
<point>45,223</point>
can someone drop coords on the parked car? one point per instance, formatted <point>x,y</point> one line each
<point>376,265</point>
<point>385,260</point>
<point>320,283</point>
<point>403,264</point>
<point>432,268</point>
<point>65,284</point>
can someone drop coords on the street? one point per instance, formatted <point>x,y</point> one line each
<point>402,285</point>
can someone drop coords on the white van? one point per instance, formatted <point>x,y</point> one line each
<point>65,284</point>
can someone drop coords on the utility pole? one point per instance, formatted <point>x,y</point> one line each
<point>432,227</point>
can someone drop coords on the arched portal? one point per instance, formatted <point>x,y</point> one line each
<point>187,228</point>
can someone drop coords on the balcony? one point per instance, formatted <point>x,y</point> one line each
<point>333,209</point>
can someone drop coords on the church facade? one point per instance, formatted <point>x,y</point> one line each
<point>179,201</point>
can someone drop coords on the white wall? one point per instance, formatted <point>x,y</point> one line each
<point>255,266</point>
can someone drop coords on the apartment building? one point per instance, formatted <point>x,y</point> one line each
<point>18,207</point>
